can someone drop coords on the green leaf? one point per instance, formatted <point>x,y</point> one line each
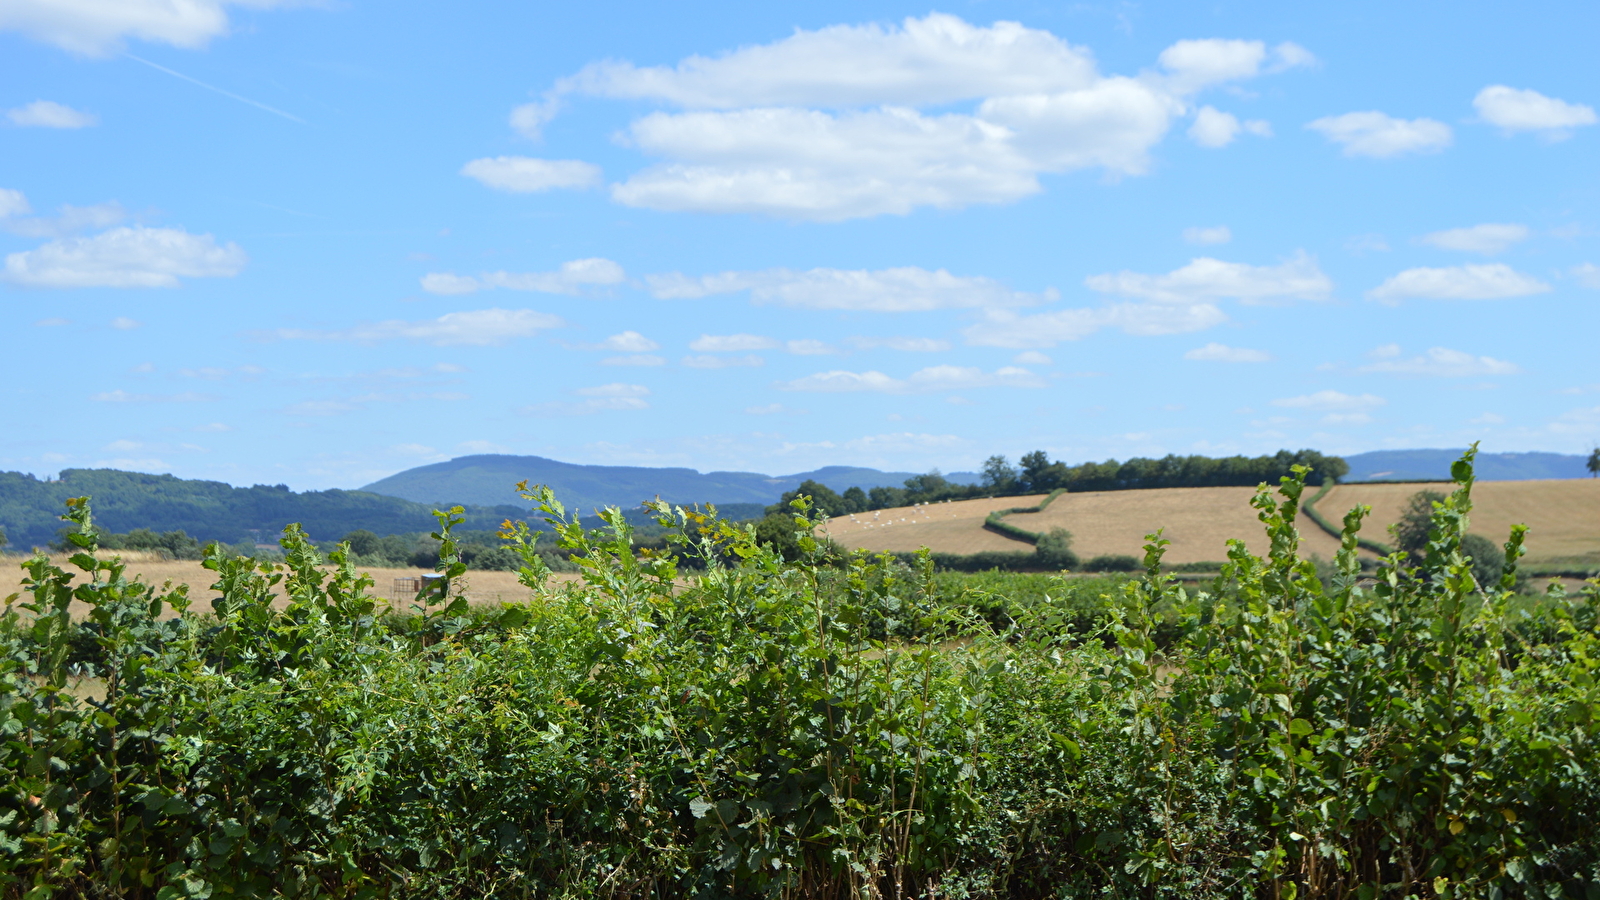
<point>1299,727</point>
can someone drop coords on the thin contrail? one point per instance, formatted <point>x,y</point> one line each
<point>276,112</point>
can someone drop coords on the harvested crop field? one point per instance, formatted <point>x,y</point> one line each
<point>1563,516</point>
<point>955,527</point>
<point>1198,521</point>
<point>480,587</point>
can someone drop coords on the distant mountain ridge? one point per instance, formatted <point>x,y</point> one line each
<point>1422,465</point>
<point>488,479</point>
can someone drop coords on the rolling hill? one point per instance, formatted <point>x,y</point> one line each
<point>1563,518</point>
<point>1428,465</point>
<point>487,480</point>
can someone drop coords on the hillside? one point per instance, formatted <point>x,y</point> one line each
<point>1563,519</point>
<point>211,510</point>
<point>488,479</point>
<point>1424,465</point>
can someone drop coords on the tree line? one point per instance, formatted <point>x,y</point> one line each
<point>1037,473</point>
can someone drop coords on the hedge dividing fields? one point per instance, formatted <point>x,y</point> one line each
<point>772,729</point>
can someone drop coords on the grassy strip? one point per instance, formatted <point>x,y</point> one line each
<point>1309,506</point>
<point>996,520</point>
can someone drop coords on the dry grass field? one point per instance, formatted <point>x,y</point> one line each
<point>1563,517</point>
<point>948,527</point>
<point>1198,521</point>
<point>479,587</point>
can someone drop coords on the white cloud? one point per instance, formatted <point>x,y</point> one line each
<point>70,220</point>
<point>1214,128</point>
<point>1378,135</point>
<point>1488,239</point>
<point>904,289</point>
<point>809,164</point>
<point>1210,279</point>
<point>627,342</point>
<point>634,359</point>
<point>526,175</point>
<point>1588,275</point>
<point>123,323</point>
<point>1032,358</point>
<point>1495,281</point>
<point>829,124</point>
<point>1003,328</point>
<point>124,257</point>
<point>731,343</point>
<point>1385,351</point>
<point>1438,361</point>
<point>1220,234</point>
<point>13,203</point>
<point>121,396</point>
<point>49,114</point>
<point>705,361</point>
<point>1354,418</point>
<point>615,397</point>
<point>52,322</point>
<point>473,328</point>
<point>1215,352</point>
<point>809,347</point>
<point>573,278</point>
<point>905,344</point>
<point>929,380</point>
<point>766,410</point>
<point>99,27</point>
<point>1332,401</point>
<point>1527,110</point>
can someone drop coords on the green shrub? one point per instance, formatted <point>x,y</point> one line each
<point>804,729</point>
<point>1112,563</point>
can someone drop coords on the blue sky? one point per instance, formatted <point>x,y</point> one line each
<point>320,243</point>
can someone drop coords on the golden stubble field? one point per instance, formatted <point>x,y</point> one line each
<point>480,588</point>
<point>1563,519</point>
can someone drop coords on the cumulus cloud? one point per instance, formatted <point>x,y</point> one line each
<point>706,361</point>
<point>634,359</point>
<point>905,344</point>
<point>615,397</point>
<point>1332,401</point>
<point>13,203</point>
<point>1220,234</point>
<point>1588,275</point>
<point>526,175</point>
<point>904,289</point>
<point>99,27</point>
<point>1214,128</point>
<point>124,257</point>
<point>1003,328</point>
<point>1438,361</point>
<point>67,221</point>
<point>1381,136</point>
<point>1032,358</point>
<point>121,396</point>
<point>573,278</point>
<point>1495,281</point>
<point>930,380</point>
<point>1204,279</point>
<point>1215,352</point>
<point>626,342</point>
<point>731,343</point>
<point>473,328</point>
<point>1488,239</point>
<point>1527,110</point>
<point>49,114</point>
<point>832,124</point>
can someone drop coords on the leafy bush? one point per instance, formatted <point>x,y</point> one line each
<point>1107,562</point>
<point>775,728</point>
